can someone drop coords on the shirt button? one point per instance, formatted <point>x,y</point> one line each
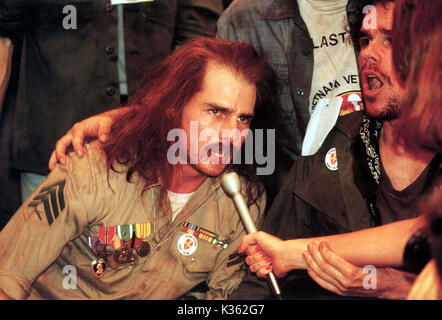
<point>305,52</point>
<point>108,7</point>
<point>110,91</point>
<point>109,49</point>
<point>299,92</point>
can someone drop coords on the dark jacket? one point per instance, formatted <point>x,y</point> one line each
<point>313,201</point>
<point>316,201</point>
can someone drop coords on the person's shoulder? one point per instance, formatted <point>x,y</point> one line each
<point>94,153</point>
<point>94,159</point>
<point>250,4</point>
<point>350,123</point>
<point>93,172</point>
<point>247,7</point>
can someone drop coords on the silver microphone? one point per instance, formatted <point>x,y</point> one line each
<point>231,185</point>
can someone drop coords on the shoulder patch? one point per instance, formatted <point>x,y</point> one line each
<point>50,202</point>
<point>351,102</point>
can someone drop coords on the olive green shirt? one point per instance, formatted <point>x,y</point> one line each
<point>45,251</point>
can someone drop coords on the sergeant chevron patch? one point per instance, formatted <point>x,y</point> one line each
<point>52,200</point>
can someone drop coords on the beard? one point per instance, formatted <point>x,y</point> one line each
<point>389,111</point>
<point>214,167</point>
<point>381,96</point>
<point>210,170</point>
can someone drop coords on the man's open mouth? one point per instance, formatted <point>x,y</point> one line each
<point>373,82</point>
<point>217,153</point>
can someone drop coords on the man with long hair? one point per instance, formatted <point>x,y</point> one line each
<point>127,220</point>
<point>62,61</point>
<point>387,169</point>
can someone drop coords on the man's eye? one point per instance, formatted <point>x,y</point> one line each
<point>214,111</point>
<point>365,41</point>
<point>387,41</point>
<point>244,119</point>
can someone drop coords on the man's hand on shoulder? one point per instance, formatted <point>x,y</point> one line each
<point>95,127</point>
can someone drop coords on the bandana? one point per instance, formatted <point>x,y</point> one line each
<point>369,169</point>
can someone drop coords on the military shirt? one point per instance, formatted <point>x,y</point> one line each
<point>46,247</point>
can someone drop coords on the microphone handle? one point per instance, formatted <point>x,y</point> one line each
<point>251,228</point>
<point>244,213</point>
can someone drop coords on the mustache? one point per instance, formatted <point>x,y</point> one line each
<point>220,147</point>
<point>227,150</point>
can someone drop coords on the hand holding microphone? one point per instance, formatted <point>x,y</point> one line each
<point>231,186</point>
<point>265,253</point>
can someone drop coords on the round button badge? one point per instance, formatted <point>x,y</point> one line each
<point>187,244</point>
<point>331,160</point>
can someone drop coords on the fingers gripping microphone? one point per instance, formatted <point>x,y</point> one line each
<point>231,186</point>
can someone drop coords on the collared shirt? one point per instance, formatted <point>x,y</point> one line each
<point>50,238</point>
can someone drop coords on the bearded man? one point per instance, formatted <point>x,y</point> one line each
<point>124,222</point>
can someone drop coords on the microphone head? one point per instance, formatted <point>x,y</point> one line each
<point>230,183</point>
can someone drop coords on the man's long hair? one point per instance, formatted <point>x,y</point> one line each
<point>138,139</point>
<point>417,44</point>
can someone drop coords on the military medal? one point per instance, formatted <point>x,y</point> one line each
<point>124,256</point>
<point>125,232</point>
<point>206,235</point>
<point>96,245</point>
<point>143,249</point>
<point>99,267</point>
<point>142,230</point>
<point>127,241</point>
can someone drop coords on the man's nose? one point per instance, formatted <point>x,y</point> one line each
<point>230,131</point>
<point>371,54</point>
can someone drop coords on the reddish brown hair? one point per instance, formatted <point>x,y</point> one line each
<point>417,43</point>
<point>139,138</point>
